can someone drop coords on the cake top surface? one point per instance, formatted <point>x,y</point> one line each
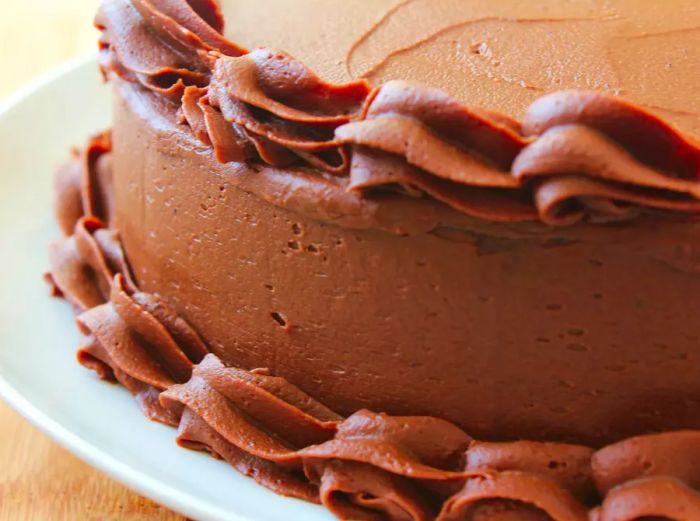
<point>501,55</point>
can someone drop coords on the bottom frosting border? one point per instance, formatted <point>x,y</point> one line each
<point>367,466</point>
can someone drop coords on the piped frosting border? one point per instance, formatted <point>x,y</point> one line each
<point>577,155</point>
<point>368,466</point>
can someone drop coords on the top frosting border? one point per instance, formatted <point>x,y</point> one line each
<point>576,155</point>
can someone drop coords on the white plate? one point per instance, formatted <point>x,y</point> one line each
<point>38,373</point>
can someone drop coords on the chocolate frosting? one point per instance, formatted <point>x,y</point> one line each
<point>498,55</point>
<point>576,155</point>
<point>365,466</point>
<point>131,337</point>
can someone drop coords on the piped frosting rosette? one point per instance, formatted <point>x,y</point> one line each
<point>576,155</point>
<point>132,337</point>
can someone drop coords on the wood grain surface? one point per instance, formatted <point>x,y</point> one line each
<point>39,480</point>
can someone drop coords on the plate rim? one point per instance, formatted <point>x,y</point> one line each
<point>158,491</point>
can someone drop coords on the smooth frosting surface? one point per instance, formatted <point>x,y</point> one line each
<point>499,56</point>
<point>459,309</point>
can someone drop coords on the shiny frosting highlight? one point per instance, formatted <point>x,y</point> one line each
<point>367,466</point>
<point>576,155</point>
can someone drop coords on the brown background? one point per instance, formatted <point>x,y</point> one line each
<point>38,479</point>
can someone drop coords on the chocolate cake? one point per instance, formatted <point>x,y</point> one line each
<point>394,228</point>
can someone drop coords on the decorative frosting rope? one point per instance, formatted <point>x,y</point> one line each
<point>367,466</point>
<point>576,156</point>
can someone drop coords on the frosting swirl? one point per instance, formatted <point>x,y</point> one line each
<point>576,155</point>
<point>132,337</point>
<point>369,465</point>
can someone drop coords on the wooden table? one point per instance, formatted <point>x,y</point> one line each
<point>39,480</point>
